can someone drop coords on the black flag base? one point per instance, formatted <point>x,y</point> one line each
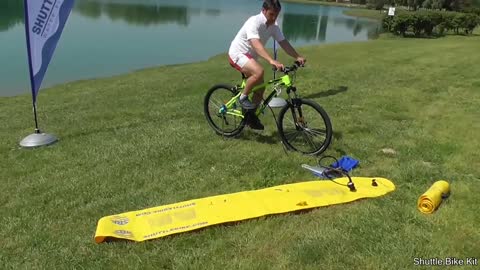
<point>38,139</point>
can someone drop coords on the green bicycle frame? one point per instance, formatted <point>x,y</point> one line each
<point>231,106</point>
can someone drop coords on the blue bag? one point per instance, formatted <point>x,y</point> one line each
<point>345,163</point>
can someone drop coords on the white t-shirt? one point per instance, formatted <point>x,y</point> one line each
<point>254,27</point>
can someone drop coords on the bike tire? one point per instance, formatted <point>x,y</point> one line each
<point>298,109</point>
<point>218,122</point>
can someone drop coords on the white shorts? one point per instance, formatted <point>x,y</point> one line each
<point>239,61</point>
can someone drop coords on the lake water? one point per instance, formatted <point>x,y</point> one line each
<point>109,37</point>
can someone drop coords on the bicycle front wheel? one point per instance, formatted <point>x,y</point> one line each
<point>219,119</point>
<point>304,126</point>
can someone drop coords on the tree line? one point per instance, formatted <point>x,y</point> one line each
<point>468,6</point>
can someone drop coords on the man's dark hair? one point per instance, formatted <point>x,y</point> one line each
<point>272,4</point>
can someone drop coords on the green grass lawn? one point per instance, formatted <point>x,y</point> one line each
<point>140,140</point>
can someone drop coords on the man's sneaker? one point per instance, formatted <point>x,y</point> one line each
<point>253,122</point>
<point>246,104</point>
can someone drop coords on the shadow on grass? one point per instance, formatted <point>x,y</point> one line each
<point>274,138</point>
<point>329,92</point>
<point>337,136</point>
<point>249,135</point>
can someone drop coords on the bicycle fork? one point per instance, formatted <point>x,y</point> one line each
<point>298,119</point>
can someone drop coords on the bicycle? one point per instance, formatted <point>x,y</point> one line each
<point>227,118</point>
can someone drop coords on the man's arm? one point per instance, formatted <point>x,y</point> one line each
<point>258,47</point>
<point>287,47</point>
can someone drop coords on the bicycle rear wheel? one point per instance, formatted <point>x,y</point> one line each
<point>304,126</point>
<point>223,123</point>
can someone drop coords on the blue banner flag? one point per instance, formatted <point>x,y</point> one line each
<point>44,22</point>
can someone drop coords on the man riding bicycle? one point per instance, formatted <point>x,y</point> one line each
<point>248,44</point>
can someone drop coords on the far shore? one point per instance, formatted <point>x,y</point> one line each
<point>355,10</point>
<point>325,3</point>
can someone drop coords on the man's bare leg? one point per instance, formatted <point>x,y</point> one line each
<point>258,96</point>
<point>254,72</point>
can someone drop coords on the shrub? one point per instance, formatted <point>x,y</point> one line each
<point>470,22</point>
<point>400,23</point>
<point>375,4</point>
<point>425,22</point>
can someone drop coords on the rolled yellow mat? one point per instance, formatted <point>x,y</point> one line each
<point>431,199</point>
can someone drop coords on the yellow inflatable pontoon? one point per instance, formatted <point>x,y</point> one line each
<point>194,214</point>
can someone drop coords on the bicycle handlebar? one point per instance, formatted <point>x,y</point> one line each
<point>291,68</point>
<point>294,67</point>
